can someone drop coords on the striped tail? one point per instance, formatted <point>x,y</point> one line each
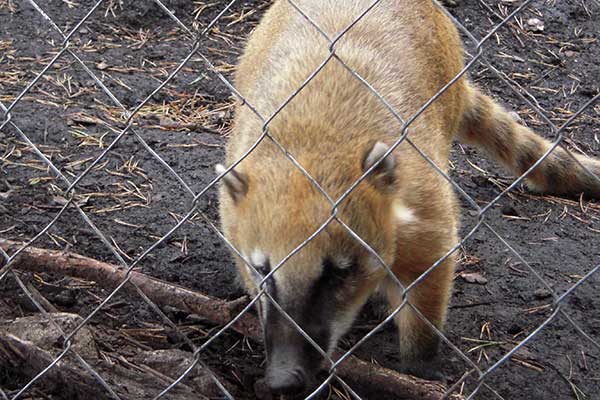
<point>490,127</point>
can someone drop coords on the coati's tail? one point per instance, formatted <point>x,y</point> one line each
<point>489,126</point>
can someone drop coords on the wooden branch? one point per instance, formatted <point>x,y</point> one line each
<point>364,376</point>
<point>384,383</point>
<point>110,276</point>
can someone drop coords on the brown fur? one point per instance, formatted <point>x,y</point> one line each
<point>407,50</point>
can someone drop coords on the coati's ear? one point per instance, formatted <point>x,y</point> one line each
<point>235,182</point>
<point>384,172</point>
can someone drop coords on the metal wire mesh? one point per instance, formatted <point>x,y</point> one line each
<point>70,185</point>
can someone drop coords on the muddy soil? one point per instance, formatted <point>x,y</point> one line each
<point>133,199</point>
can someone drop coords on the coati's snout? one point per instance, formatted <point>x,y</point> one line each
<point>288,382</point>
<point>308,303</point>
<point>292,361</point>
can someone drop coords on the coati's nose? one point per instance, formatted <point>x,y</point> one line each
<point>286,382</point>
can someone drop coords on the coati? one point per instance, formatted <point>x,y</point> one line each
<point>336,129</point>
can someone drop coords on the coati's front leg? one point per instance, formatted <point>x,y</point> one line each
<point>419,343</point>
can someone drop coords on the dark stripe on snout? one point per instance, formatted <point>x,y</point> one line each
<point>322,301</point>
<point>313,310</point>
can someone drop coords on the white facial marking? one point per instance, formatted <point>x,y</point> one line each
<point>404,214</point>
<point>233,180</point>
<point>220,169</point>
<point>258,258</point>
<point>342,262</point>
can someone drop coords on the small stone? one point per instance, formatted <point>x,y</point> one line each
<point>195,319</point>
<point>43,333</point>
<point>59,200</point>
<point>66,298</point>
<point>570,53</point>
<point>175,313</point>
<point>542,294</point>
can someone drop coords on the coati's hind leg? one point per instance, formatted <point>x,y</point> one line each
<point>418,341</point>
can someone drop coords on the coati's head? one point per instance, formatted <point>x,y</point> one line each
<point>269,208</point>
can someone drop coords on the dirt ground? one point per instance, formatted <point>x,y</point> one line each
<point>134,200</point>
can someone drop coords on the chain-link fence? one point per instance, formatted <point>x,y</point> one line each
<point>127,115</point>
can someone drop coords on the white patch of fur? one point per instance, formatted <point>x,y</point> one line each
<point>404,214</point>
<point>220,169</point>
<point>343,262</point>
<point>373,263</point>
<point>257,277</point>
<point>258,258</point>
<point>535,188</point>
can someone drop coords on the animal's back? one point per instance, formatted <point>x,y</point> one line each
<point>406,50</point>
